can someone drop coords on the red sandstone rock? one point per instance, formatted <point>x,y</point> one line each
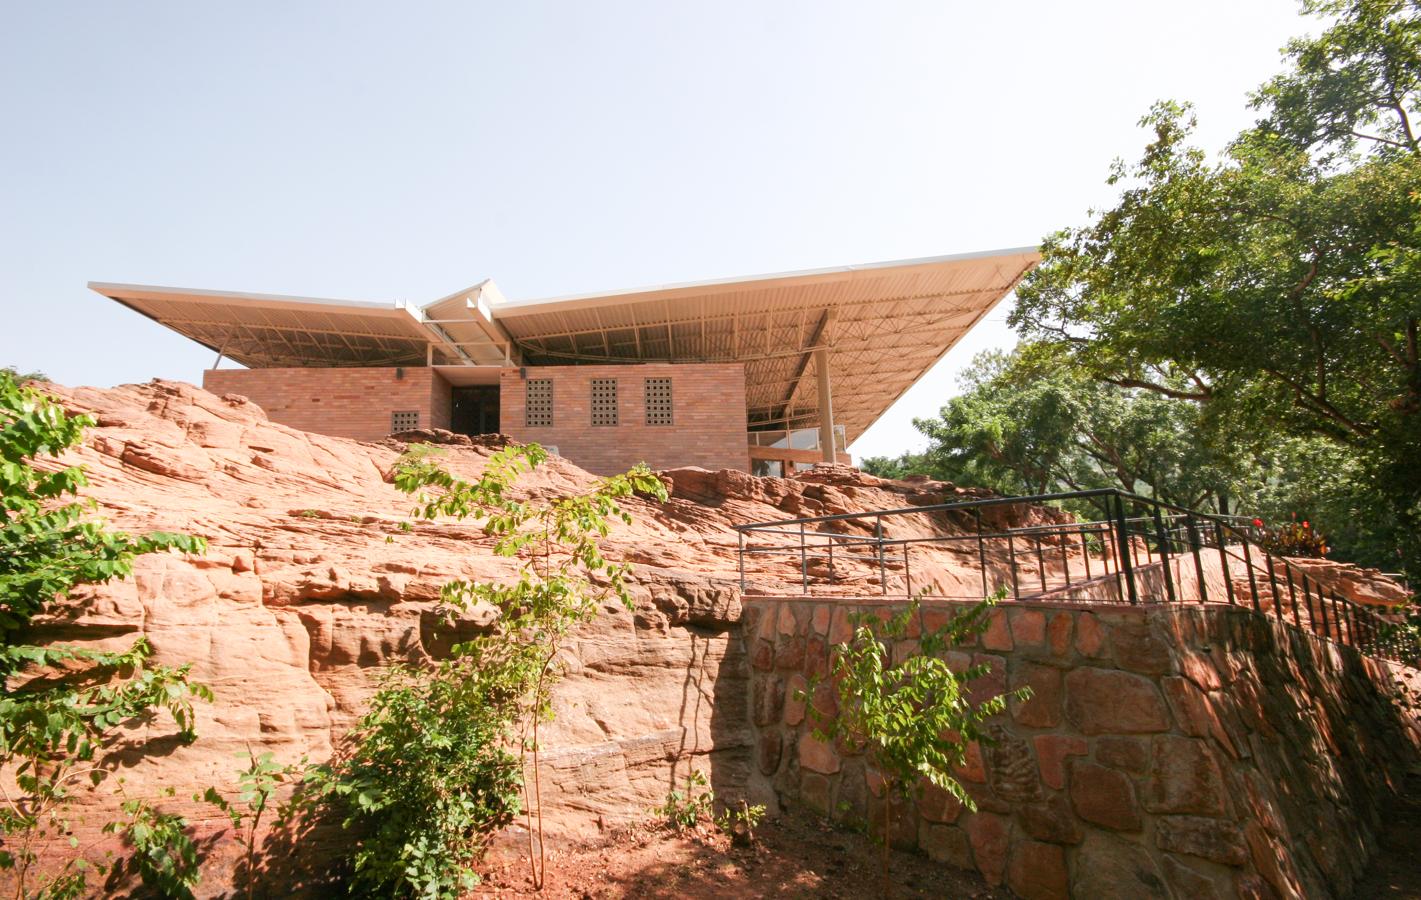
<point>1051,753</point>
<point>1090,635</point>
<point>1184,777</point>
<point>1038,871</point>
<point>817,756</point>
<point>1104,797</point>
<point>988,834</point>
<point>1043,708</point>
<point>1104,701</point>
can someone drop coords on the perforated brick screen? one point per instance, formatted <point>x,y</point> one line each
<point>604,401</point>
<point>658,401</point>
<point>538,409</point>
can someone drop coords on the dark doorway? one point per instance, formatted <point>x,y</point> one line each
<point>475,410</point>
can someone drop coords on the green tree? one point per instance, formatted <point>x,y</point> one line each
<point>61,706</point>
<point>1280,286</point>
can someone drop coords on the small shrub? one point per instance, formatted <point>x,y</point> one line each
<point>912,719</point>
<point>740,823</point>
<point>163,854</point>
<point>1292,538</point>
<point>257,784</point>
<point>683,810</point>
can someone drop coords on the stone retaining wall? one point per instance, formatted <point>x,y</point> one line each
<point>1166,751</point>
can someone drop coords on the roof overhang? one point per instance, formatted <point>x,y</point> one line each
<point>883,325</point>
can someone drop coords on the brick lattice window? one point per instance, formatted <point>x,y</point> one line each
<point>604,401</point>
<point>404,420</point>
<point>538,405</point>
<point>658,401</point>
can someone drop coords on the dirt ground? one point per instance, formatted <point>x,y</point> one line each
<point>792,856</point>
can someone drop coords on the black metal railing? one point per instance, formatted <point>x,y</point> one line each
<point>1139,550</point>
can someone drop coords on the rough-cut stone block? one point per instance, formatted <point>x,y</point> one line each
<point>820,622</point>
<point>1138,647</point>
<point>972,767</point>
<point>937,805</point>
<point>1107,866</point>
<point>1058,633</point>
<point>1028,628</point>
<point>1213,839</point>
<point>1038,872</point>
<point>1189,882</point>
<point>993,683</point>
<point>769,698</point>
<point>817,756</point>
<point>1043,708</point>
<point>1051,821</point>
<point>1104,797</point>
<point>989,836</point>
<point>1184,777</point>
<point>1103,701</point>
<point>814,792</point>
<point>794,700</point>
<point>946,844</point>
<point>1011,768</point>
<point>816,658</point>
<point>1129,753</point>
<point>1090,635</point>
<point>764,657</point>
<point>998,633</point>
<point>768,751</point>
<point>841,629</point>
<point>1200,669</point>
<point>1051,753</point>
<point>790,654</point>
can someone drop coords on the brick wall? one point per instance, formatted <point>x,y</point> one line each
<point>344,402</point>
<point>708,427</point>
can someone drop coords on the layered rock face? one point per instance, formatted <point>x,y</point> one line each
<point>1166,751</point>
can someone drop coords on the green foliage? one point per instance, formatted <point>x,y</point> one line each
<point>685,809</point>
<point>912,718</point>
<point>162,853</point>
<point>257,785</point>
<point>437,762</point>
<point>21,377</point>
<point>1281,284</point>
<point>60,706</point>
<point>1292,538</point>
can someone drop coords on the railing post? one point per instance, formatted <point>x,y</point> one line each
<point>1040,562</point>
<point>1224,562</point>
<point>1085,553</point>
<point>1351,620</point>
<point>803,563</point>
<point>830,541</point>
<point>1065,559</point>
<point>1307,601</point>
<point>981,549</point>
<point>1011,564</point>
<point>1122,546</point>
<point>1163,553</point>
<point>1252,582</point>
<point>1322,608</point>
<point>1292,594</point>
<point>742,562</point>
<point>1273,586</point>
<point>907,571</point>
<point>1198,563</point>
<point>882,569</point>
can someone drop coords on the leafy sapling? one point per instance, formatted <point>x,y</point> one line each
<point>913,719</point>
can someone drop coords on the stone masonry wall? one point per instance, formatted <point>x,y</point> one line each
<point>1167,751</point>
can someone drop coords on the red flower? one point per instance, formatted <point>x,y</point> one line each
<point>1305,524</point>
<point>1257,523</point>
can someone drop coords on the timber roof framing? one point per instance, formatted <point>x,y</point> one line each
<point>884,326</point>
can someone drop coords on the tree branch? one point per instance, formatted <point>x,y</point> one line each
<point>1199,396</point>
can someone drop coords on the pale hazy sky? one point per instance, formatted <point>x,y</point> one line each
<point>386,151</point>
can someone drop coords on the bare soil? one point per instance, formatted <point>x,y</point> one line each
<point>791,856</point>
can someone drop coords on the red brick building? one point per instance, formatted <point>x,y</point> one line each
<point>762,374</point>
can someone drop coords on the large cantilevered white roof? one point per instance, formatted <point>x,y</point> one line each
<point>883,326</point>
